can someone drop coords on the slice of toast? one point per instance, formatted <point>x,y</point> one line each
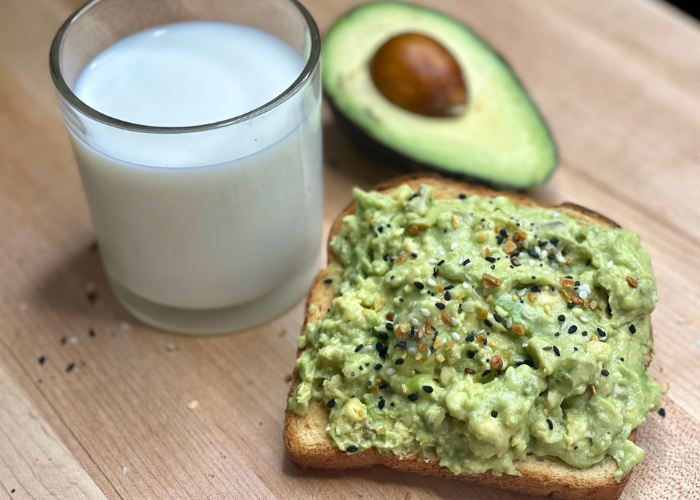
<point>308,442</point>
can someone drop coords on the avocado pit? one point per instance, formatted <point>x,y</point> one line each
<point>418,74</point>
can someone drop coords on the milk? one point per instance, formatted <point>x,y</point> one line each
<point>223,223</point>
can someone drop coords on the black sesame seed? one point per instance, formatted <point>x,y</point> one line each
<point>352,374</point>
<point>499,239</point>
<point>573,328</point>
<point>577,283</point>
<point>570,305</point>
<point>427,389</point>
<point>382,402</point>
<point>448,296</point>
<point>542,243</point>
<point>378,366</point>
<point>604,372</point>
<point>601,332</point>
<point>413,397</point>
<point>379,346</point>
<point>556,350</point>
<point>535,289</point>
<point>361,367</point>
<point>351,449</point>
<point>575,348</point>
<point>402,344</point>
<point>357,349</point>
<point>435,272</point>
<point>490,259</point>
<point>550,256</point>
<point>622,359</point>
<point>533,253</point>
<point>486,373</point>
<point>383,335</point>
<point>561,317</point>
<point>70,367</point>
<point>91,296</point>
<point>330,403</point>
<point>449,287</point>
<point>42,360</point>
<point>64,340</point>
<point>389,326</point>
<point>418,285</point>
<point>547,348</point>
<point>550,424</point>
<point>556,334</point>
<point>399,361</point>
<point>329,280</point>
<point>400,299</point>
<point>485,342</point>
<point>554,241</point>
<point>441,262</point>
<point>466,262</point>
<point>662,412</point>
<point>633,329</point>
<point>380,229</point>
<point>91,332</point>
<point>503,233</point>
<point>462,196</point>
<point>584,333</point>
<point>497,318</point>
<point>470,338</point>
<point>384,386</point>
<point>440,305</point>
<point>488,323</point>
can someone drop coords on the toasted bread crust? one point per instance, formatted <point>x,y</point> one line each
<point>308,442</point>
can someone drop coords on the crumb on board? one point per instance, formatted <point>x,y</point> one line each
<point>125,325</point>
<point>193,405</point>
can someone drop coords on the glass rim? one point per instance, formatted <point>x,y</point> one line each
<point>67,93</point>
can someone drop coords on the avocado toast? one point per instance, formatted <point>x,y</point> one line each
<point>591,401</point>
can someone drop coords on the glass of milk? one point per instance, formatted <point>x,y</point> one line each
<point>197,131</point>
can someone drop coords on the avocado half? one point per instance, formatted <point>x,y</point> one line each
<point>500,139</point>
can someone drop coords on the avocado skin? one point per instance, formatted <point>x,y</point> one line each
<point>375,149</point>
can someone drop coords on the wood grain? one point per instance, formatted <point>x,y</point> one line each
<point>616,79</point>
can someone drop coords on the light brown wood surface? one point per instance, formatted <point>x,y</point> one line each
<point>619,83</point>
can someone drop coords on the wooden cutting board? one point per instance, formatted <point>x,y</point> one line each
<point>619,82</point>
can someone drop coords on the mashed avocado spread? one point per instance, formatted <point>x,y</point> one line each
<point>478,331</point>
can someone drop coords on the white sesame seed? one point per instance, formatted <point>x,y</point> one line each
<point>431,419</point>
<point>170,347</point>
<point>561,259</point>
<point>425,312</point>
<point>610,263</point>
<point>414,253</point>
<point>526,244</point>
<point>390,372</point>
<point>584,319</point>
<point>123,470</point>
<point>72,340</point>
<point>522,292</point>
<point>525,344</point>
<point>435,299</point>
<point>453,245</point>
<point>554,266</point>
<point>431,282</point>
<point>543,254</point>
<point>455,335</point>
<point>415,322</point>
<point>509,323</point>
<point>468,307</point>
<point>432,261</point>
<point>532,262</point>
<point>411,350</point>
<point>556,214</point>
<point>465,284</point>
<point>468,265</point>
<point>455,321</point>
<point>367,348</point>
<point>441,252</point>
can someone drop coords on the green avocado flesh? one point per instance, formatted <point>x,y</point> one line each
<point>500,139</point>
<point>572,385</point>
